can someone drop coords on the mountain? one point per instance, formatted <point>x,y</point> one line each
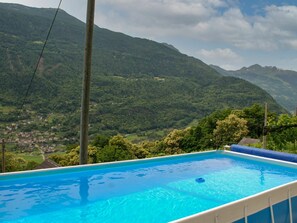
<point>137,84</point>
<point>280,84</point>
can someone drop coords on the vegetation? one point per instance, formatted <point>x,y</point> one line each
<point>284,138</point>
<point>13,162</point>
<point>230,130</point>
<point>214,131</point>
<point>36,158</point>
<point>138,85</point>
<point>222,127</point>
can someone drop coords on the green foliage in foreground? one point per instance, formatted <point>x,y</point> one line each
<point>214,131</point>
<point>31,157</point>
<point>13,162</point>
<point>284,139</point>
<point>230,130</point>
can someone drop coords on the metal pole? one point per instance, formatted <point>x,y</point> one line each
<point>265,126</point>
<point>86,84</point>
<point>3,156</point>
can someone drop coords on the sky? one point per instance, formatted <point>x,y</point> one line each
<point>229,33</point>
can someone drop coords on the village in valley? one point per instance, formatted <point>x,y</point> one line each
<point>22,139</point>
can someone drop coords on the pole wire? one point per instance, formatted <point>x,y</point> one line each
<point>40,56</point>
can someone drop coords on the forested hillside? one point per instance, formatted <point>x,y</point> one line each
<point>137,84</point>
<point>280,84</point>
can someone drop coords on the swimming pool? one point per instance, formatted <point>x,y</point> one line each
<point>154,190</point>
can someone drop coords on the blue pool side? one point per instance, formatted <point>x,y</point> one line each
<point>281,213</point>
<point>264,153</point>
<point>281,210</point>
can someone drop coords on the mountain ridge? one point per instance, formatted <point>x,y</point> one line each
<point>280,83</point>
<point>137,84</point>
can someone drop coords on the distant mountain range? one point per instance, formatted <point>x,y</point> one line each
<point>137,84</point>
<point>280,84</point>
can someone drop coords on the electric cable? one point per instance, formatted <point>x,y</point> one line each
<point>40,56</point>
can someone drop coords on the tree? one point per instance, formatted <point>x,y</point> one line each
<point>200,137</point>
<point>117,149</point>
<point>100,141</point>
<point>191,141</point>
<point>13,162</point>
<point>255,118</point>
<point>154,148</point>
<point>173,141</point>
<point>230,130</point>
<point>140,152</point>
<point>72,157</point>
<point>283,131</point>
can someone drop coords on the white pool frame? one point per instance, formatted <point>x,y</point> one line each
<point>245,207</point>
<point>227,213</point>
<point>77,168</point>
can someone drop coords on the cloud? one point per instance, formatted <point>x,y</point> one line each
<point>210,21</point>
<point>230,27</point>
<point>218,53</point>
<point>226,57</point>
<point>274,30</point>
<point>158,18</point>
<point>192,25</point>
<point>280,25</point>
<point>34,3</point>
<point>216,21</point>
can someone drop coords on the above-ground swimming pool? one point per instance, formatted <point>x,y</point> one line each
<point>154,190</point>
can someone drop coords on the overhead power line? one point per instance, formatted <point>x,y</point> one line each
<point>40,56</point>
<point>280,128</point>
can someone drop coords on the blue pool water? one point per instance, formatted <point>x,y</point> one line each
<point>146,191</point>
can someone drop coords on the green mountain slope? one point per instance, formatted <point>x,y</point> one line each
<point>137,84</point>
<point>280,84</point>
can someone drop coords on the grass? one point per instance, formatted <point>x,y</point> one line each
<point>10,147</point>
<point>151,135</point>
<point>56,153</point>
<point>288,148</point>
<point>291,148</point>
<point>29,157</point>
<point>6,109</point>
<point>193,123</point>
<point>135,138</point>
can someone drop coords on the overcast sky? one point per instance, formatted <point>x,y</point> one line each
<point>228,33</point>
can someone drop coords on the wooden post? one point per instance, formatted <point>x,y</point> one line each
<point>295,138</point>
<point>265,126</point>
<point>84,126</point>
<point>3,156</point>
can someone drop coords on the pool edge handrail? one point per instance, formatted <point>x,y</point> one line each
<point>262,158</point>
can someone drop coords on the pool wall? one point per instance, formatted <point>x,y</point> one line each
<point>272,206</point>
<point>277,205</point>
